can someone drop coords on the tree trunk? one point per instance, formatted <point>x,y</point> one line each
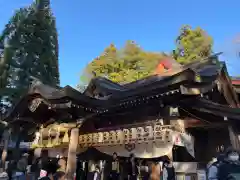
<point>72,152</point>
<point>6,137</point>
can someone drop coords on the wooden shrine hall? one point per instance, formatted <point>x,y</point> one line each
<point>194,107</point>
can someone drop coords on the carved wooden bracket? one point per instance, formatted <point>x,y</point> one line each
<point>34,104</point>
<point>49,138</point>
<point>56,140</point>
<point>66,137</point>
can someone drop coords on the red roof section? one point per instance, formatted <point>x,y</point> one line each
<point>165,64</point>
<point>235,82</point>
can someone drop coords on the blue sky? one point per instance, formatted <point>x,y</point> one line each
<point>86,27</point>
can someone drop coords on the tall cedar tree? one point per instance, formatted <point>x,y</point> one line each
<point>31,49</point>
<point>192,44</point>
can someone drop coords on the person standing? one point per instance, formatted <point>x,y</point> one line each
<point>97,174</point>
<point>22,166</point>
<point>11,168</point>
<point>212,171</point>
<point>59,175</point>
<point>230,168</point>
<point>124,169</point>
<point>144,170</point>
<point>48,170</point>
<point>80,174</point>
<point>115,168</point>
<point>132,168</point>
<point>168,171</point>
<point>40,163</point>
<point>62,164</point>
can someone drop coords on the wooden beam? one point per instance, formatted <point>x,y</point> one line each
<point>208,126</point>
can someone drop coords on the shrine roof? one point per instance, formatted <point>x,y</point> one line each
<point>207,106</point>
<point>236,84</point>
<point>193,79</point>
<point>205,69</point>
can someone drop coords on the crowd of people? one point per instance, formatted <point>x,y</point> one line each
<point>225,167</point>
<point>45,168</point>
<point>131,168</point>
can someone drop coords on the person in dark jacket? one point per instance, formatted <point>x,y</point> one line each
<point>212,171</point>
<point>97,174</point>
<point>48,170</point>
<point>124,169</point>
<point>132,168</point>
<point>40,163</point>
<point>11,168</point>
<point>60,175</point>
<point>115,167</point>
<point>230,168</point>
<point>168,171</point>
<point>80,174</point>
<point>144,170</point>
<point>46,178</point>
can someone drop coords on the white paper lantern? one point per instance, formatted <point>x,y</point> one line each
<point>100,138</point>
<point>119,137</point>
<point>158,133</point>
<point>106,138</point>
<point>132,135</point>
<point>89,139</point>
<point>112,137</point>
<point>81,139</point>
<point>95,139</point>
<point>168,136</point>
<point>140,133</point>
<point>84,142</point>
<point>126,136</point>
<point>148,133</point>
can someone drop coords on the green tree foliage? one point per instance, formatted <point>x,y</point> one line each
<point>5,90</point>
<point>127,64</point>
<point>4,67</point>
<point>31,49</point>
<point>192,44</point>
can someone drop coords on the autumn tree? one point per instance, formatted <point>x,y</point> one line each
<point>192,44</point>
<point>124,65</point>
<point>106,63</point>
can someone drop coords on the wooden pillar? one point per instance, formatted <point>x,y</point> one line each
<point>233,137</point>
<point>72,152</point>
<point>6,138</point>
